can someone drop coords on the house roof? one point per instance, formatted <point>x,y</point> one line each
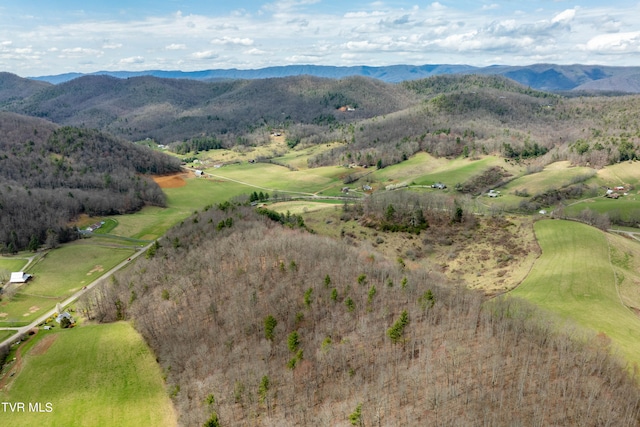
<point>63,316</point>
<point>19,277</point>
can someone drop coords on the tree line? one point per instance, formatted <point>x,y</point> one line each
<point>52,174</point>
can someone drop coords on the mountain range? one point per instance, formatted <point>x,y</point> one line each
<point>548,77</point>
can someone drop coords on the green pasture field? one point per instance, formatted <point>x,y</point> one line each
<point>625,256</point>
<point>625,205</point>
<point>556,175</point>
<point>459,170</point>
<point>275,148</point>
<point>298,157</point>
<point>619,174</point>
<point>270,177</point>
<point>152,222</point>
<point>303,206</point>
<point>113,381</point>
<point>416,166</point>
<point>575,279</point>
<point>8,265</point>
<point>58,275</point>
<point>107,227</point>
<point>23,309</point>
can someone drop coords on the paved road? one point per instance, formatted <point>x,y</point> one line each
<point>19,331</point>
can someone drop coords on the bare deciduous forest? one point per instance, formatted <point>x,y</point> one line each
<point>260,323</point>
<point>265,325</point>
<point>56,173</point>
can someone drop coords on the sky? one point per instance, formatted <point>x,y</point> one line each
<point>44,37</point>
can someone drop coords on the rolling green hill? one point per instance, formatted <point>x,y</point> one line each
<point>575,278</point>
<point>96,375</point>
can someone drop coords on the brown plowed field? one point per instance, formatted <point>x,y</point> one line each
<point>171,181</point>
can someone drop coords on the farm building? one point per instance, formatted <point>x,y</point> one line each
<point>19,277</point>
<point>64,315</point>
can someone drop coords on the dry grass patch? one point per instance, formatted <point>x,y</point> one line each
<point>43,345</point>
<point>171,181</point>
<point>493,255</point>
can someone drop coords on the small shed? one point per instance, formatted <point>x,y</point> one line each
<point>19,277</point>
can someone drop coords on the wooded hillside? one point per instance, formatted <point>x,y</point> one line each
<point>170,110</point>
<point>262,324</point>
<point>51,174</point>
<point>380,123</point>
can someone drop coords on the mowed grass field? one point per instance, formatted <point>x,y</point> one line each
<point>153,222</point>
<point>95,375</point>
<point>625,206</point>
<point>57,275</point>
<point>459,170</point>
<point>272,177</point>
<point>9,265</point>
<point>575,279</point>
<point>554,176</point>
<point>619,174</point>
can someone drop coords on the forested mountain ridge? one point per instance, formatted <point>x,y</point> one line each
<point>260,324</point>
<point>380,123</point>
<point>548,77</point>
<point>173,110</point>
<point>51,174</point>
<point>14,88</point>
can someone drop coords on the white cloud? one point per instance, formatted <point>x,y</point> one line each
<point>303,59</point>
<point>288,5</point>
<point>233,41</point>
<point>207,54</point>
<point>132,60</point>
<point>79,52</point>
<point>305,31</point>
<point>255,51</point>
<point>176,46</point>
<point>615,43</point>
<point>564,17</point>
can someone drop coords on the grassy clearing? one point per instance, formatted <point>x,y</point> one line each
<point>303,206</point>
<point>58,275</point>
<point>70,267</point>
<point>108,226</point>
<point>297,158</point>
<point>271,177</point>
<point>276,147</point>
<point>113,381</point>
<point>574,278</point>
<point>153,222</point>
<point>625,256</point>
<point>8,265</point>
<point>625,206</point>
<point>459,170</point>
<point>416,166</point>
<point>556,175</point>
<point>619,174</point>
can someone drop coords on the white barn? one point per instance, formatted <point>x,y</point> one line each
<point>19,277</point>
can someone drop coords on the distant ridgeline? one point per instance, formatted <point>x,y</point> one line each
<point>52,174</point>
